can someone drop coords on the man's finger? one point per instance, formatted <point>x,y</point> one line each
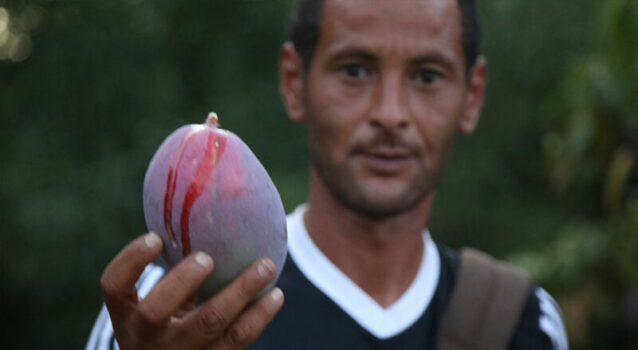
<point>175,288</point>
<point>252,322</point>
<point>119,277</point>
<point>212,319</point>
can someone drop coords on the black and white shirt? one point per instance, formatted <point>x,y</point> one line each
<point>324,309</point>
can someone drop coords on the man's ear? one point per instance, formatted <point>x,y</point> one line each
<point>291,78</point>
<point>474,97</point>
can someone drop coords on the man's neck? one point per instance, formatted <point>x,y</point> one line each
<point>382,256</point>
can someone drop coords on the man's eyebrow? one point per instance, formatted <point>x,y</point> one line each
<point>351,52</point>
<point>434,58</point>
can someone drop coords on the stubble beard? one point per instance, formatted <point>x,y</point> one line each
<point>339,179</point>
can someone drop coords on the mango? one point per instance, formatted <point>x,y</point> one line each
<point>205,190</point>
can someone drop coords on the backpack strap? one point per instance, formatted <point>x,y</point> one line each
<point>485,306</point>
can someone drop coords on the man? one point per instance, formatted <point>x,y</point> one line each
<point>384,87</point>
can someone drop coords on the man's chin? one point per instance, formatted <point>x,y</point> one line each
<point>381,204</point>
<point>381,211</point>
<point>376,197</point>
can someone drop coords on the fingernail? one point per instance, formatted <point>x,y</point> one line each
<point>265,269</point>
<point>204,260</point>
<point>152,240</point>
<point>276,294</point>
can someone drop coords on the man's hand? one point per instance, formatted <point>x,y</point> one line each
<point>166,319</point>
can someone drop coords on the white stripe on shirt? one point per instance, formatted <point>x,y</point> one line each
<point>551,321</point>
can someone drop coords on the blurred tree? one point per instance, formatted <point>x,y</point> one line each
<point>590,155</point>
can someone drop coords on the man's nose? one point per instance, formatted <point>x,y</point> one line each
<point>389,108</point>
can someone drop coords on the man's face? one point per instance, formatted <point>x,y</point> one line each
<point>384,95</point>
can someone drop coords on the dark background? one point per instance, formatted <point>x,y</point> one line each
<point>89,89</point>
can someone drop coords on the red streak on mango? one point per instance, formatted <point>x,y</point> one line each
<point>168,200</point>
<point>214,149</point>
<point>171,184</point>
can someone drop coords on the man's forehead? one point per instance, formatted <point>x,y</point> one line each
<point>412,11</point>
<point>387,24</point>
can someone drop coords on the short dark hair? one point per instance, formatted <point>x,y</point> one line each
<point>306,22</point>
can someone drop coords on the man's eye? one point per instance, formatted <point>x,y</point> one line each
<point>427,76</point>
<point>355,71</point>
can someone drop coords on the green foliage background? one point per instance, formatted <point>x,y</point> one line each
<point>89,89</point>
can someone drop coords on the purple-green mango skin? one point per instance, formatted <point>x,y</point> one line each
<point>238,218</point>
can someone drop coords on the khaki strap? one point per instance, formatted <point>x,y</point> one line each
<point>485,306</point>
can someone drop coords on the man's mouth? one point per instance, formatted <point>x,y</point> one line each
<point>385,160</point>
<point>387,153</point>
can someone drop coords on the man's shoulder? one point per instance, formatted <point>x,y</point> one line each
<point>540,324</point>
